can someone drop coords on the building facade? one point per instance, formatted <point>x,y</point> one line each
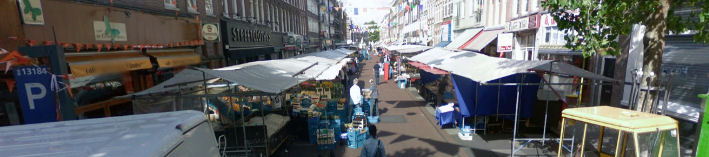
<point>104,49</point>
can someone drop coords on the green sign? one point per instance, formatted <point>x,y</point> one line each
<point>31,11</point>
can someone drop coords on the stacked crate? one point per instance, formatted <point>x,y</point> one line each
<point>356,137</point>
<point>336,126</point>
<point>326,139</point>
<point>313,125</point>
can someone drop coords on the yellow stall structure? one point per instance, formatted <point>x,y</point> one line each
<point>659,134</point>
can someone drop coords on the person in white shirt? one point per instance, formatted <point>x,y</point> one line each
<point>355,93</point>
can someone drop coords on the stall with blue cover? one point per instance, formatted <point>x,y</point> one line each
<point>498,86</point>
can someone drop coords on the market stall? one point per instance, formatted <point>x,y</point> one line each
<point>494,72</point>
<point>251,102</point>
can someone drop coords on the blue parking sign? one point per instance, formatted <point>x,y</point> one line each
<point>36,97</point>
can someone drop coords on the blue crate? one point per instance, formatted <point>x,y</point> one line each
<point>326,146</point>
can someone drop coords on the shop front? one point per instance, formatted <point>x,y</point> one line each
<point>525,32</point>
<point>246,42</point>
<point>99,52</point>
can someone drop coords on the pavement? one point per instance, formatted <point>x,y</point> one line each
<point>408,129</point>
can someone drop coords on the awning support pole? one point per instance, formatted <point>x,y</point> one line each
<point>514,132</point>
<point>561,136</point>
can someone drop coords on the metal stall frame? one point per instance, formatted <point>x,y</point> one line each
<point>598,115</point>
<point>513,150</point>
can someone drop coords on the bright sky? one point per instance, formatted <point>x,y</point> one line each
<point>372,12</point>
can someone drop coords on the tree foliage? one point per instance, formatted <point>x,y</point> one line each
<point>593,26</point>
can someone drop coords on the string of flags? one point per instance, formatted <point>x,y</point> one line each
<point>78,47</point>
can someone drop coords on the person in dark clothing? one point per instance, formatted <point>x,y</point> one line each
<point>373,147</point>
<point>377,67</point>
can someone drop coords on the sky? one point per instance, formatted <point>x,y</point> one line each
<point>373,11</point>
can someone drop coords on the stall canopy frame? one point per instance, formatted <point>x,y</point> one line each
<point>490,68</point>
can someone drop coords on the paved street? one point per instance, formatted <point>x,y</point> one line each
<point>407,128</point>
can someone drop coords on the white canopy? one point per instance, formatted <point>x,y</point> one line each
<point>345,51</point>
<point>403,47</point>
<point>186,78</point>
<point>332,72</point>
<point>482,68</point>
<point>134,135</point>
<point>271,76</point>
<point>413,49</point>
<point>463,38</point>
<point>434,54</point>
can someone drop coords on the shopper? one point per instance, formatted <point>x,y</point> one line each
<point>373,108</point>
<point>355,93</point>
<point>377,67</point>
<point>373,147</point>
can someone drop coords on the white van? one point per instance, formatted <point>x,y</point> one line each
<point>181,133</point>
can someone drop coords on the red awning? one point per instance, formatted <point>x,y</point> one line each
<point>427,68</point>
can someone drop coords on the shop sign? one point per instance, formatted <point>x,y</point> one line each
<point>209,7</point>
<point>523,23</point>
<point>504,42</point>
<point>31,11</point>
<point>192,6</point>
<point>111,66</point>
<point>166,62</point>
<point>35,94</point>
<point>110,31</point>
<point>244,35</point>
<point>210,31</point>
<point>170,4</point>
<point>547,21</point>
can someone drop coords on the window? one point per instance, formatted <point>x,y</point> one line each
<point>534,5</point>
<point>523,6</point>
<point>243,9</point>
<point>225,4</point>
<point>496,19</point>
<point>547,35</point>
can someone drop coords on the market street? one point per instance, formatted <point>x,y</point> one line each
<point>408,128</point>
<point>293,78</point>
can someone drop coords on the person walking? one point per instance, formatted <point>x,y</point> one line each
<point>373,147</point>
<point>373,108</point>
<point>377,67</point>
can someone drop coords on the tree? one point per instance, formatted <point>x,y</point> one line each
<point>598,25</point>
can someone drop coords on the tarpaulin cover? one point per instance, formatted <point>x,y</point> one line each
<point>427,77</point>
<point>272,76</point>
<point>427,68</point>
<point>332,72</point>
<point>434,55</point>
<point>413,49</point>
<point>463,38</point>
<point>486,96</point>
<point>482,68</point>
<point>186,78</point>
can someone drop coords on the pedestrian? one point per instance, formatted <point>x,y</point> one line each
<point>377,67</point>
<point>355,94</point>
<point>373,147</point>
<point>373,108</point>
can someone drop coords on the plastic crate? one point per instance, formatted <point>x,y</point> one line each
<point>326,146</point>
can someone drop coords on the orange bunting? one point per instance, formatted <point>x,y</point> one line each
<point>65,45</point>
<point>125,47</point>
<point>47,43</point>
<point>98,47</point>
<point>31,42</point>
<point>10,84</point>
<point>78,46</point>
<point>108,47</point>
